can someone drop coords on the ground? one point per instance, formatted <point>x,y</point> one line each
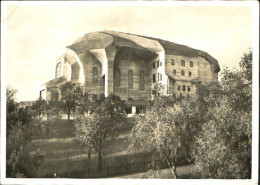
<point>63,157</point>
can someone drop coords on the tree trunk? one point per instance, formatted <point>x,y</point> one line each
<point>89,162</point>
<point>174,172</point>
<point>99,160</point>
<point>68,116</point>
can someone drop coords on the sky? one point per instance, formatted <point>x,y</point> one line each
<point>37,35</point>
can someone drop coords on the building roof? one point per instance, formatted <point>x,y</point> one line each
<point>102,39</point>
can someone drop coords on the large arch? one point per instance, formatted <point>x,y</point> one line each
<point>77,71</point>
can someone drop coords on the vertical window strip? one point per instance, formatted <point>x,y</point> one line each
<point>130,79</point>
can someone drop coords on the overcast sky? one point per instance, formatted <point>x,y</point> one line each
<point>37,35</point>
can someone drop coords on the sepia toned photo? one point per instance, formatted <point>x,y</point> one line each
<point>129,92</point>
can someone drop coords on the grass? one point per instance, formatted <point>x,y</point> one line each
<point>68,159</point>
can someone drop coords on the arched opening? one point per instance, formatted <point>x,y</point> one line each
<point>58,70</point>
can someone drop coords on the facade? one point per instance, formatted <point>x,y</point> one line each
<point>128,65</point>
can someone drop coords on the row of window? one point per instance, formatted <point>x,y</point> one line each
<point>174,95</point>
<point>183,63</point>
<point>130,79</point>
<point>174,71</point>
<point>157,77</point>
<point>157,64</point>
<point>184,88</point>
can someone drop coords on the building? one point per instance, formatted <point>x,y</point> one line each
<point>128,65</point>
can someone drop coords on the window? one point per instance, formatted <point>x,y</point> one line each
<point>141,80</point>
<point>174,71</point>
<point>191,64</point>
<point>190,73</point>
<point>159,77</point>
<point>95,75</point>
<point>117,77</point>
<point>179,88</point>
<point>58,70</point>
<point>188,88</point>
<point>188,95</point>
<point>182,63</point>
<point>154,77</point>
<point>182,73</point>
<point>130,79</point>
<point>172,62</point>
<point>154,65</point>
<point>180,94</point>
<point>174,95</point>
<point>158,64</point>
<point>184,88</point>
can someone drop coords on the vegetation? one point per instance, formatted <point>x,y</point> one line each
<point>223,149</point>
<point>19,131</point>
<point>71,93</point>
<point>213,129</point>
<point>93,131</point>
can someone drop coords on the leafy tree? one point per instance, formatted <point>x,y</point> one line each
<point>71,94</point>
<point>167,131</point>
<point>47,113</point>
<point>39,107</point>
<point>95,130</point>
<point>223,148</point>
<point>19,163</point>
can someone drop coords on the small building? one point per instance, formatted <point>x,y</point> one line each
<point>128,65</point>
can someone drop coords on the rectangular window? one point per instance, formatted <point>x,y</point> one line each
<point>159,77</point>
<point>130,79</point>
<point>154,77</point>
<point>191,64</point>
<point>190,73</point>
<point>95,75</point>
<point>172,62</point>
<point>182,63</point>
<point>158,63</point>
<point>153,64</point>
<point>184,88</point>
<point>182,73</point>
<point>117,77</point>
<point>179,88</point>
<point>142,80</point>
<point>188,88</point>
<point>174,71</point>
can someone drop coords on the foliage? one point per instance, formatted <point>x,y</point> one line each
<point>71,94</point>
<point>93,131</point>
<point>47,114</point>
<point>166,130</point>
<point>19,163</point>
<point>223,149</point>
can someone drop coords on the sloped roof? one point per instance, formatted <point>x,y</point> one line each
<point>55,82</point>
<point>100,40</point>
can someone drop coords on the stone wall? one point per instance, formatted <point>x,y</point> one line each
<point>89,62</point>
<point>125,60</point>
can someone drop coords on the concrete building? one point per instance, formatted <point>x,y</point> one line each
<point>128,65</point>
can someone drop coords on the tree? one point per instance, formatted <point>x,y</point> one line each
<point>47,114</point>
<point>71,93</point>
<point>19,163</point>
<point>93,131</point>
<point>167,131</point>
<point>39,107</point>
<point>223,148</point>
